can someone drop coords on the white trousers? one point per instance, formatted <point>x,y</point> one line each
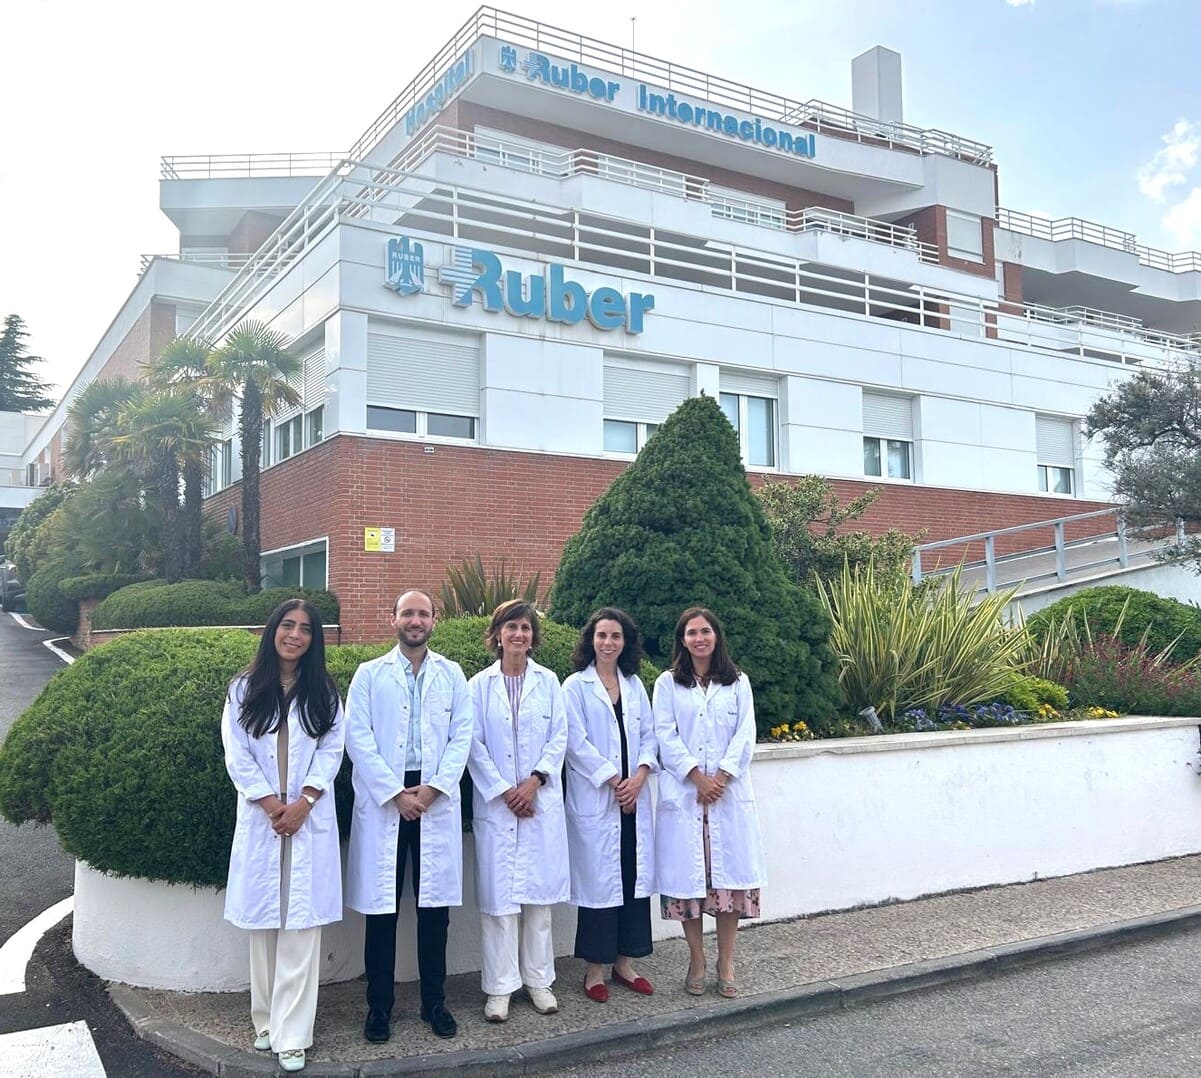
<point>285,965</point>
<point>518,948</point>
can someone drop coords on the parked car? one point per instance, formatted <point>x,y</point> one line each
<point>12,591</point>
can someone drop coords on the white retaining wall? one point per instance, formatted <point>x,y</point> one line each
<point>845,822</point>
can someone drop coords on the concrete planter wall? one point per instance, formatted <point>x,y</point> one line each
<point>845,822</point>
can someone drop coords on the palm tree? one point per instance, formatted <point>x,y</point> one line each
<point>156,430</point>
<point>92,420</point>
<point>183,367</point>
<point>253,364</point>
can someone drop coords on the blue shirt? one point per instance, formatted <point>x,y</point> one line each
<point>416,685</point>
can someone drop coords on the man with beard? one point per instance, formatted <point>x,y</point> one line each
<point>408,733</point>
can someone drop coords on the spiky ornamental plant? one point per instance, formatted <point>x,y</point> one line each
<point>681,527</point>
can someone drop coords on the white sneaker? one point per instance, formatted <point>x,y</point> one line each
<point>496,1009</point>
<point>292,1059</point>
<point>543,1000</point>
<point>262,1043</point>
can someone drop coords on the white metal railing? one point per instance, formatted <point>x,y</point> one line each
<point>426,207</point>
<point>225,260</point>
<point>817,115</point>
<point>1064,558</point>
<point>560,164</point>
<point>235,165</point>
<point>1075,228</point>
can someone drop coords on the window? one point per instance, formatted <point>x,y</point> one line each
<point>626,436</point>
<point>450,426</point>
<point>423,383</point>
<point>637,399</point>
<point>887,435</point>
<point>221,458</point>
<point>288,438</point>
<point>301,566</point>
<point>754,421</point>
<point>265,453</point>
<point>400,420</point>
<point>408,421</point>
<point>316,426</point>
<point>1055,441</point>
<point>964,236</point>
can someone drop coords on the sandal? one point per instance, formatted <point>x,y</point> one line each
<point>695,986</point>
<point>726,987</point>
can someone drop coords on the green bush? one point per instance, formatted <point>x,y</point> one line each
<point>45,600</point>
<point>1162,619</point>
<point>27,544</point>
<point>681,527</point>
<point>470,590</point>
<point>200,602</point>
<point>97,585</point>
<point>1030,693</point>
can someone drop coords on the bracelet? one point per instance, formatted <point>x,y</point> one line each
<point>309,798</point>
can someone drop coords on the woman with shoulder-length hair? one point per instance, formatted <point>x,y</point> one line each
<point>283,734</point>
<point>520,836</point>
<point>709,851</point>
<point>611,749</point>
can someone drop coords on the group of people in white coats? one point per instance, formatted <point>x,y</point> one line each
<point>412,724</point>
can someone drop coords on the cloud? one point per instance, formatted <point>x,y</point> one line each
<point>1169,166</point>
<point>1020,3</point>
<point>1183,221</point>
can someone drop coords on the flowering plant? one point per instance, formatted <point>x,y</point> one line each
<point>798,731</point>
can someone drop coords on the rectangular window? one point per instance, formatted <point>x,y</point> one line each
<point>637,399</point>
<point>302,566</point>
<point>1054,480</point>
<point>754,421</point>
<point>887,435</point>
<point>400,420</point>
<point>626,436</point>
<point>1055,446</point>
<point>965,238</point>
<point>287,438</point>
<point>312,569</point>
<point>265,454</point>
<point>227,462</point>
<point>450,426</point>
<point>289,576</point>
<point>315,421</point>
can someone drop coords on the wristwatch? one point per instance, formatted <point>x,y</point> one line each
<point>309,798</point>
<point>541,776</point>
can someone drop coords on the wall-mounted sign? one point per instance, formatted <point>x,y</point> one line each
<point>382,540</point>
<point>540,68</point>
<point>475,273</point>
<point>449,83</point>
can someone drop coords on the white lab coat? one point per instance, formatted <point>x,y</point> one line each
<point>711,729</point>
<point>593,815</point>
<point>377,734</point>
<point>518,861</point>
<point>315,883</point>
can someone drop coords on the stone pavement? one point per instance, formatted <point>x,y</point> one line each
<point>785,970</point>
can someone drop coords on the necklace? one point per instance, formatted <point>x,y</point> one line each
<point>287,683</point>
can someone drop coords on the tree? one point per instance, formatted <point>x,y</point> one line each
<point>1151,425</point>
<point>253,365</point>
<point>183,368</point>
<point>92,425</point>
<point>20,389</point>
<point>808,530</point>
<point>680,527</point>
<point>28,544</point>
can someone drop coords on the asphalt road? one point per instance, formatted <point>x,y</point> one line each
<point>1130,1012</point>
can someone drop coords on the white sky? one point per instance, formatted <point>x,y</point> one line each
<point>1093,106</point>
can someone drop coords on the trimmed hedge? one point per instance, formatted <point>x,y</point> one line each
<point>122,750</point>
<point>1162,619</point>
<point>45,600</point>
<point>154,604</point>
<point>97,585</point>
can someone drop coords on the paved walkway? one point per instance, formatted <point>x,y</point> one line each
<point>785,969</point>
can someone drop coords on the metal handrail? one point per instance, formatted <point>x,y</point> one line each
<point>1059,547</point>
<point>819,115</point>
<point>224,261</point>
<point>1076,228</point>
<point>239,165</point>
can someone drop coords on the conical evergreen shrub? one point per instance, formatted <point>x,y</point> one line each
<point>681,527</point>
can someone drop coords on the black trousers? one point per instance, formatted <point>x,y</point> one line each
<point>601,935</point>
<point>379,945</point>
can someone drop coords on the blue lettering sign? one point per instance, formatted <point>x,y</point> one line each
<point>539,68</point>
<point>474,273</point>
<point>448,84</point>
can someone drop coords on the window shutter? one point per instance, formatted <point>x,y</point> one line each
<point>886,416</point>
<point>1055,441</point>
<point>425,373</point>
<point>751,385</point>
<point>314,380</point>
<point>646,396</point>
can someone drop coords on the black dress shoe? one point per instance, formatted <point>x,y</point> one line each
<point>441,1022</point>
<point>377,1028</point>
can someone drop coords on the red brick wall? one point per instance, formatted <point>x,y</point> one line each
<point>461,500</point>
<point>930,224</point>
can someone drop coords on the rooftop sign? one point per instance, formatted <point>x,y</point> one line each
<point>571,78</point>
<point>477,273</point>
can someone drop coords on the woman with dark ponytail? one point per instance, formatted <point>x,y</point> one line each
<point>283,734</point>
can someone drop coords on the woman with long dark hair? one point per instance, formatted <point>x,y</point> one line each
<point>283,734</point>
<point>611,750</point>
<point>709,854</point>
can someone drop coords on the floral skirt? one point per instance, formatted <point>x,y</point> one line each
<point>717,900</point>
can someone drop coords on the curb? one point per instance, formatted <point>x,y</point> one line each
<point>663,1030</point>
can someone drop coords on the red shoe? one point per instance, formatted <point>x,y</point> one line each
<point>598,993</point>
<point>639,984</point>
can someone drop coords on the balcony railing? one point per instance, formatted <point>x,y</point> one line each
<point>241,165</point>
<point>561,164</point>
<point>224,260</point>
<point>425,207</point>
<point>1075,228</point>
<point>816,115</point>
